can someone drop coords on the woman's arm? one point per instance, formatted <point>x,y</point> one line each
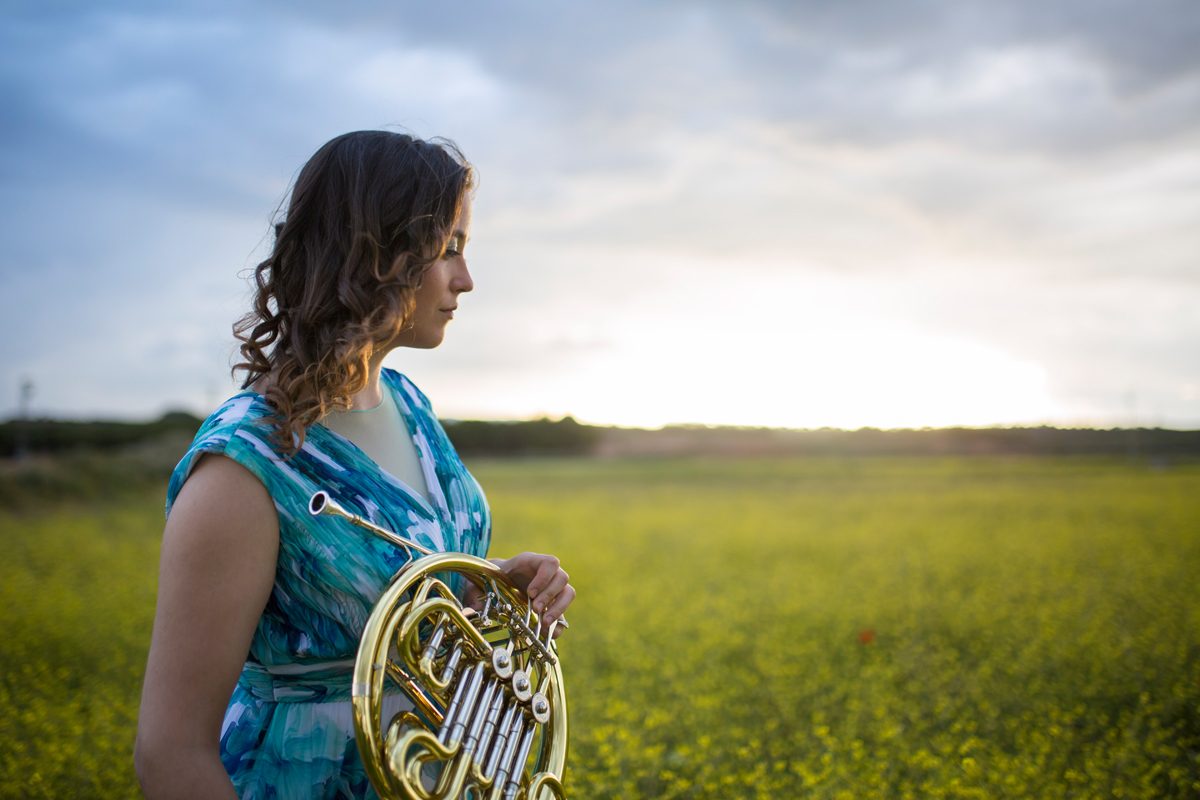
<point>218,566</point>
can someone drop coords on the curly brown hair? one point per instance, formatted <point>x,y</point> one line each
<point>369,213</point>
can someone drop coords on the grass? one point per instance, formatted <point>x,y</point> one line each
<point>822,627</point>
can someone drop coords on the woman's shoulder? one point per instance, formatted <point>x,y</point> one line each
<point>246,409</point>
<point>240,428</point>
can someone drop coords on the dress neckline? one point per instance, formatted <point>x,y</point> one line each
<point>413,427</point>
<point>382,401</point>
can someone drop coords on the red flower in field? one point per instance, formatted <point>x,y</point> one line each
<point>866,636</point>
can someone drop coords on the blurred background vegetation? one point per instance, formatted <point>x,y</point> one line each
<point>49,459</point>
<point>822,624</point>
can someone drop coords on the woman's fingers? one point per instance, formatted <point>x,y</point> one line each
<point>561,601</point>
<point>549,590</point>
<point>547,570</point>
<point>546,597</point>
<point>473,597</point>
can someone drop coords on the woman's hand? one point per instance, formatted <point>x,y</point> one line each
<point>542,580</point>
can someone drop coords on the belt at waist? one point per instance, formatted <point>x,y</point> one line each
<point>312,682</point>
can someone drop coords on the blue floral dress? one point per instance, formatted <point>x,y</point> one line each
<point>288,730</point>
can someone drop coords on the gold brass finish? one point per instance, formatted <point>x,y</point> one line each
<point>489,716</point>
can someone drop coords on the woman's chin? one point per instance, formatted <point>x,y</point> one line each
<point>424,341</point>
<point>431,341</point>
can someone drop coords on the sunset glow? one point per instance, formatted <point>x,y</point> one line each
<point>979,218</point>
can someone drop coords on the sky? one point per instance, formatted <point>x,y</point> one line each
<point>792,214</point>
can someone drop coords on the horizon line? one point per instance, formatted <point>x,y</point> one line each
<point>693,426</point>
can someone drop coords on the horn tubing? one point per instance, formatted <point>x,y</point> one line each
<point>499,744</point>
<point>488,733</point>
<point>456,703</point>
<point>518,765</point>
<point>322,503</point>
<point>483,707</point>
<point>452,663</point>
<point>463,718</point>
<point>515,731</point>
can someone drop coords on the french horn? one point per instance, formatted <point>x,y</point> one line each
<point>489,710</point>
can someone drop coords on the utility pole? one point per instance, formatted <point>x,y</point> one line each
<point>21,443</point>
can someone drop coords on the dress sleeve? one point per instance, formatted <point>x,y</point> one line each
<point>231,431</point>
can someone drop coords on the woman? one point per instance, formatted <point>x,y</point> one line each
<point>260,605</point>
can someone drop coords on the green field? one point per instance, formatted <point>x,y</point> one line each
<point>760,628</point>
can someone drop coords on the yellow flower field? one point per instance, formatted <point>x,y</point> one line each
<point>826,628</point>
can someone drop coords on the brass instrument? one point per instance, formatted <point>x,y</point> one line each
<point>487,693</point>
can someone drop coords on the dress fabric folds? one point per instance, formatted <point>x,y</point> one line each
<point>288,731</point>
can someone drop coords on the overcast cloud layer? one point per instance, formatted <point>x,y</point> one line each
<point>801,214</point>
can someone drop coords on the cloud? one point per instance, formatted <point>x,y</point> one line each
<point>1019,178</point>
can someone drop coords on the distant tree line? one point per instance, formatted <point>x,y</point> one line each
<point>54,436</point>
<point>47,436</point>
<point>1015,441</point>
<point>534,437</point>
<point>569,437</point>
<point>687,440</point>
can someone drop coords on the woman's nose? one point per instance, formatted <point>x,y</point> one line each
<point>462,279</point>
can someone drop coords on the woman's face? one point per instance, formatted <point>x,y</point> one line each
<point>442,283</point>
